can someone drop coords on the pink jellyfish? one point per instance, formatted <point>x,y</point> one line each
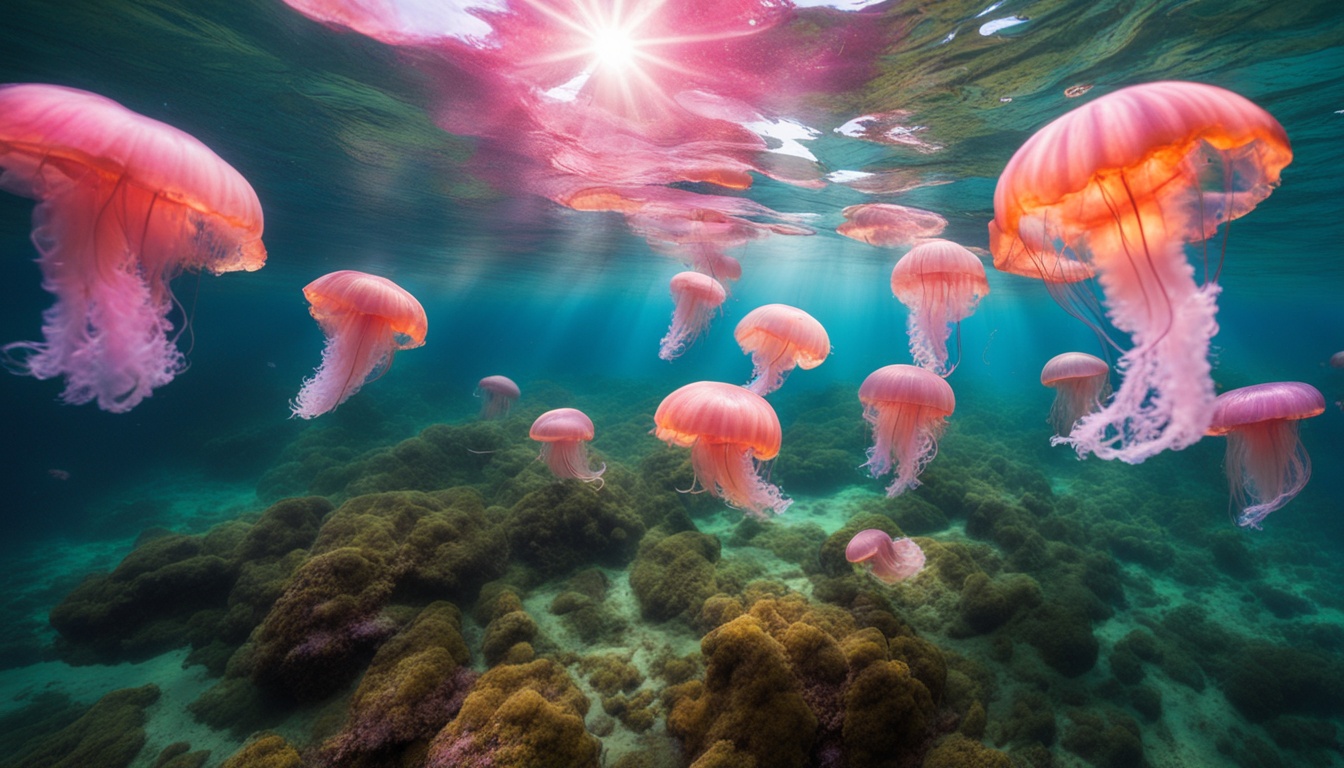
<point>941,282</point>
<point>1081,382</point>
<point>366,319</point>
<point>1266,464</point>
<point>498,394</point>
<point>125,204</point>
<point>563,433</point>
<point>888,225</point>
<point>908,408</point>
<point>697,298</point>
<point>889,560</point>
<point>1114,189</point>
<point>728,430</point>
<point>1337,360</point>
<point>778,338</point>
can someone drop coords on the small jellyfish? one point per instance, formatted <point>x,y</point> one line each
<point>697,297</point>
<point>887,225</point>
<point>728,430</point>
<point>563,434</point>
<point>1265,462</point>
<point>907,407</point>
<point>498,394</point>
<point>1081,382</point>
<point>1113,190</point>
<point>779,338</point>
<point>366,319</point>
<point>941,283</point>
<point>125,204</point>
<point>1337,360</point>
<point>888,560</point>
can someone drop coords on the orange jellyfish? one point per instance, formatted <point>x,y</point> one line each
<point>908,409</point>
<point>1114,189</point>
<point>563,434</point>
<point>498,394</point>
<point>125,204</point>
<point>1081,382</point>
<point>941,282</point>
<point>697,297</point>
<point>889,560</point>
<point>728,430</point>
<point>366,319</point>
<point>779,338</point>
<point>1266,464</point>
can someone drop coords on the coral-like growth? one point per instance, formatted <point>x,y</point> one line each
<point>266,750</point>
<point>414,686</point>
<point>109,735</point>
<point>518,715</point>
<point>565,526</point>
<point>674,575</point>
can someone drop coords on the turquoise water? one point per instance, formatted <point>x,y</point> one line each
<point>340,136</point>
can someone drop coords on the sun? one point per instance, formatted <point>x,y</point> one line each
<point>613,47</point>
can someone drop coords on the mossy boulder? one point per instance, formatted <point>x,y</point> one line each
<point>519,714</point>
<point>109,735</point>
<point>266,750</point>
<point>568,525</point>
<point>672,576</point>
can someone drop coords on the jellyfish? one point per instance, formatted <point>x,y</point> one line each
<point>1081,382</point>
<point>889,560</point>
<point>728,429</point>
<point>1265,462</point>
<point>563,433</point>
<point>1113,190</point>
<point>125,204</point>
<point>888,225</point>
<point>778,338</point>
<point>1337,360</point>
<point>697,297</point>
<point>908,407</point>
<point>941,282</point>
<point>366,319</point>
<point>498,394</point>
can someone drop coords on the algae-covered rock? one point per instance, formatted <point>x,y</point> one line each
<point>675,575</point>
<point>568,525</point>
<point>109,735</point>
<point>266,750</point>
<point>519,714</point>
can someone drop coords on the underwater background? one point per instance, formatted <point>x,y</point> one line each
<point>206,581</point>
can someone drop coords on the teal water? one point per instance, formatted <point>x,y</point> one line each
<point>337,134</point>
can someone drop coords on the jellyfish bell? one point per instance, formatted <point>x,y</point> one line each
<point>941,283</point>
<point>1114,189</point>
<point>907,407</point>
<point>564,434</point>
<point>125,204</point>
<point>1265,462</point>
<point>728,429</point>
<point>366,319</point>
<point>696,298</point>
<point>1081,383</point>
<point>888,560</point>
<point>780,338</point>
<point>498,394</point>
<point>888,225</point>
<point>1337,360</point>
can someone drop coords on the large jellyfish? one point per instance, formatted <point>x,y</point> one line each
<point>908,408</point>
<point>366,319</point>
<point>696,298</point>
<point>728,430</point>
<point>941,283</point>
<point>125,204</point>
<point>1113,190</point>
<point>779,338</point>
<point>563,434</point>
<point>1081,383</point>
<point>498,394</point>
<point>1266,464</point>
<point>889,560</point>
